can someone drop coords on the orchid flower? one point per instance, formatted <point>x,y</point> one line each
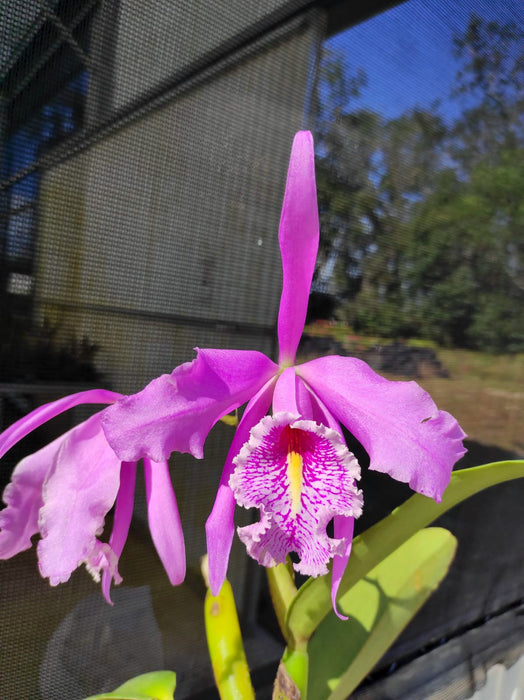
<point>293,465</point>
<point>64,491</point>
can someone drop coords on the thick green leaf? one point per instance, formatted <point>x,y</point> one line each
<point>157,685</point>
<point>379,606</point>
<point>313,601</point>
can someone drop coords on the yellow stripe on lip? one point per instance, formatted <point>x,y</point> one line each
<point>294,475</point>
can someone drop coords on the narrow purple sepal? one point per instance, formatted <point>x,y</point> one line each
<point>220,528</point>
<point>42,414</point>
<point>343,527</point>
<point>319,412</point>
<point>285,395</point>
<point>292,396</point>
<point>164,520</point>
<point>121,522</point>
<point>305,403</point>
<point>298,238</point>
<point>176,412</point>
<point>396,422</point>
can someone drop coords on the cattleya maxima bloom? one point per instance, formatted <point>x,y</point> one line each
<point>293,465</point>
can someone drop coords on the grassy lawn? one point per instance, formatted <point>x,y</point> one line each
<point>484,392</point>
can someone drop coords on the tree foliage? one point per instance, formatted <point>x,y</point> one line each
<point>422,219</point>
<point>466,255</point>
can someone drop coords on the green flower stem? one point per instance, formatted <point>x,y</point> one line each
<point>226,649</point>
<point>313,601</point>
<point>283,590</point>
<point>292,677</point>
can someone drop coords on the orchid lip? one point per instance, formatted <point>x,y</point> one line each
<point>300,475</point>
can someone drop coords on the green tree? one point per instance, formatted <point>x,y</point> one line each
<point>345,145</point>
<point>370,173</point>
<point>408,154</point>
<point>490,82</point>
<point>465,260</point>
<point>422,220</point>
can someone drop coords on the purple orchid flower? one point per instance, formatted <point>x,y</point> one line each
<point>293,465</point>
<point>65,490</point>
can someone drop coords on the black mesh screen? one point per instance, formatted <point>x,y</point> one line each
<point>143,160</point>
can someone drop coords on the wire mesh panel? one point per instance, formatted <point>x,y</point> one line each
<point>144,158</point>
<point>420,139</point>
<point>144,151</point>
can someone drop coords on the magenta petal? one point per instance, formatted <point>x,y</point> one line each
<point>285,395</point>
<point>292,396</point>
<point>177,411</point>
<point>319,412</point>
<point>305,404</point>
<point>220,527</point>
<point>298,238</point>
<point>121,521</point>
<point>42,414</point>
<point>220,530</point>
<point>23,498</point>
<point>164,520</point>
<point>343,530</point>
<point>77,494</point>
<point>397,423</point>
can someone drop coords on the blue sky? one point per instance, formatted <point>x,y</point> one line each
<point>407,55</point>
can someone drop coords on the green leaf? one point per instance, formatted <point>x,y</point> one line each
<point>313,601</point>
<point>157,685</point>
<point>379,606</point>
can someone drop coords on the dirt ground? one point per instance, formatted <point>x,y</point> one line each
<point>484,392</point>
<point>486,395</point>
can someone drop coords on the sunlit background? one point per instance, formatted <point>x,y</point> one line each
<point>143,159</point>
